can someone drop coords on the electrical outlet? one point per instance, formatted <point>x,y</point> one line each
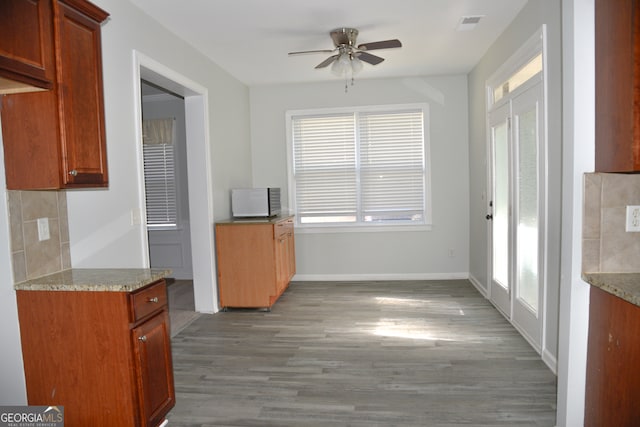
<point>633,219</point>
<point>43,229</point>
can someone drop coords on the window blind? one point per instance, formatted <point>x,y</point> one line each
<point>392,165</point>
<point>359,167</point>
<point>159,172</point>
<point>325,168</point>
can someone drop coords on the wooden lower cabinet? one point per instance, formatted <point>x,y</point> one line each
<point>256,261</point>
<point>104,356</point>
<point>613,377</point>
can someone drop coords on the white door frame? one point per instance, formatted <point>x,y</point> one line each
<point>196,102</point>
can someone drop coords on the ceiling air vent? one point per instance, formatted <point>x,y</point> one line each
<point>468,23</point>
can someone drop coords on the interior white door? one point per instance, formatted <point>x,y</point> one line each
<point>500,194</point>
<point>528,221</point>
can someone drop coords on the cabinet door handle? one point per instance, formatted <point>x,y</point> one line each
<point>143,338</point>
<point>73,172</point>
<point>154,299</point>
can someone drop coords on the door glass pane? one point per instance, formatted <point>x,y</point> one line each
<point>527,233</point>
<point>501,206</point>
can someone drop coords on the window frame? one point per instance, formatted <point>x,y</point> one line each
<point>359,226</point>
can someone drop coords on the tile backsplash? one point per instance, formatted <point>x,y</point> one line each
<point>32,257</point>
<point>606,246</point>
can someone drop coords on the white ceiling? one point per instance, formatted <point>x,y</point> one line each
<point>250,39</point>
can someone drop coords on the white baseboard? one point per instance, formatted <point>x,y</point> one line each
<point>377,277</point>
<point>550,360</point>
<point>478,285</point>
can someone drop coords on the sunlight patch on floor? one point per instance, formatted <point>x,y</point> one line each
<point>410,302</point>
<point>418,330</point>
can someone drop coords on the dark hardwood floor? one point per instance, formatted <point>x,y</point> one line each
<point>419,353</point>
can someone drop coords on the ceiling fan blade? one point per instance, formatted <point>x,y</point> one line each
<point>304,52</point>
<point>369,58</point>
<point>327,61</point>
<point>385,44</point>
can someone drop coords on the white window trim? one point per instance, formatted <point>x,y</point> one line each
<point>360,228</point>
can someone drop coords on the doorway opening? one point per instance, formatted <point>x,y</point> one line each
<point>164,152</point>
<point>196,245</point>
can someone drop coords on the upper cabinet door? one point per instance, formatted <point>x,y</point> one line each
<point>25,46</point>
<point>81,98</point>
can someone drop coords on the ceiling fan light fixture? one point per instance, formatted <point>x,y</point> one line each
<point>341,65</point>
<point>356,64</point>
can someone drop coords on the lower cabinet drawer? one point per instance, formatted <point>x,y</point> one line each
<point>149,300</point>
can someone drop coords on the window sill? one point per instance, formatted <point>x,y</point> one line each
<point>361,229</point>
<point>163,228</point>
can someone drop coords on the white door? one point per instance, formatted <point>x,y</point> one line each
<point>528,223</point>
<point>517,192</point>
<point>500,224</point>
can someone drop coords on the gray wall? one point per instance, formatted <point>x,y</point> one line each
<point>530,19</point>
<point>126,31</point>
<point>364,255</point>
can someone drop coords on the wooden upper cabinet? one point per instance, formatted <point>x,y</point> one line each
<point>617,45</point>
<point>55,139</point>
<point>25,46</point>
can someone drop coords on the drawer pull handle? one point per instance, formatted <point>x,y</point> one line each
<point>154,299</point>
<point>73,172</point>
<point>143,338</point>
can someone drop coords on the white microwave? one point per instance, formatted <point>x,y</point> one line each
<point>255,202</point>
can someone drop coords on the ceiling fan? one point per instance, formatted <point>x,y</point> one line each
<point>344,40</point>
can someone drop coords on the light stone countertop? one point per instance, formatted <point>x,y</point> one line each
<point>94,279</point>
<point>623,285</point>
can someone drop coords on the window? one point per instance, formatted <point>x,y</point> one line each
<point>518,78</point>
<point>362,166</point>
<point>159,173</point>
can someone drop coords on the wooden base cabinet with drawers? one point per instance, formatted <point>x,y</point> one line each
<point>256,261</point>
<point>104,356</point>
